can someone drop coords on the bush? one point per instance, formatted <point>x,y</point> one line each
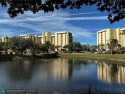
<point>50,55</point>
<point>6,57</point>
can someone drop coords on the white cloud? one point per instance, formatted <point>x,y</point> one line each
<point>9,32</point>
<point>40,22</point>
<point>85,18</point>
<point>85,13</point>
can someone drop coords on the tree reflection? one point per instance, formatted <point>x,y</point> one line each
<point>20,70</point>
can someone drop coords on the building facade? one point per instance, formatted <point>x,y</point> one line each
<point>4,39</point>
<point>104,37</point>
<point>59,39</point>
<point>33,38</point>
<point>62,38</point>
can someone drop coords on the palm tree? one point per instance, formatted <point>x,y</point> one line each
<point>57,47</point>
<point>119,46</point>
<point>48,44</point>
<point>52,47</point>
<point>113,44</point>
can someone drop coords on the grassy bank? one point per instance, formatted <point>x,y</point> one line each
<point>7,57</point>
<point>116,57</point>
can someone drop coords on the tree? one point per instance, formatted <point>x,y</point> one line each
<point>57,47</point>
<point>2,46</point>
<point>119,46</point>
<point>34,47</point>
<point>73,46</point>
<point>115,8</point>
<point>19,45</point>
<point>93,48</point>
<point>86,47</point>
<point>66,47</point>
<point>47,47</point>
<point>112,45</point>
<point>48,44</point>
<point>122,50</point>
<point>43,48</point>
<point>69,47</point>
<point>77,46</point>
<point>15,44</point>
<point>101,48</point>
<point>52,47</point>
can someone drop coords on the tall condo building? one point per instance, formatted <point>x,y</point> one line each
<point>63,38</point>
<point>104,36</point>
<point>59,39</point>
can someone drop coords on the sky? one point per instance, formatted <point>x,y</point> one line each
<point>83,23</point>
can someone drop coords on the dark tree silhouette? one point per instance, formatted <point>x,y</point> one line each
<point>115,8</point>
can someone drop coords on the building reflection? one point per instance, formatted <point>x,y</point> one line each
<point>56,69</point>
<point>61,69</point>
<point>53,69</point>
<point>109,73</point>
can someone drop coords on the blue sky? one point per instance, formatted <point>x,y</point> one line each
<point>83,23</point>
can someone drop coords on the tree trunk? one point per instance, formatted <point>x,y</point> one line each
<point>111,52</point>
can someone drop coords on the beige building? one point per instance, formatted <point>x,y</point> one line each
<point>33,38</point>
<point>47,36</point>
<point>4,39</point>
<point>59,39</point>
<point>63,38</point>
<point>104,37</point>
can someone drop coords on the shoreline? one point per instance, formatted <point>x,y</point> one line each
<point>103,57</point>
<point>8,57</point>
<point>89,56</point>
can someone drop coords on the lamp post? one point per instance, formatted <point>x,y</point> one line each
<point>73,47</point>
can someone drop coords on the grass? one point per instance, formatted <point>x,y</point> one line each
<point>47,55</point>
<point>70,55</point>
<point>115,56</point>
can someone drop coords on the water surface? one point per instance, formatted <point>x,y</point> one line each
<point>63,76</point>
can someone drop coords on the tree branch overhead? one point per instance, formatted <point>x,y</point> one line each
<point>115,8</point>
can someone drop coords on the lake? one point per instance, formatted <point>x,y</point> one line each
<point>62,76</point>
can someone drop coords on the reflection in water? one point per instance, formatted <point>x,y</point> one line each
<point>111,72</point>
<point>57,69</point>
<point>61,69</point>
<point>54,69</point>
<point>62,76</point>
<point>20,70</point>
